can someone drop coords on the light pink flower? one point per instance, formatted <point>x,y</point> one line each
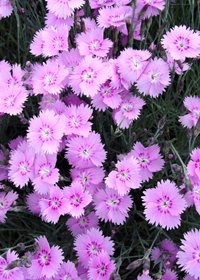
<point>91,244</point>
<point>81,225</point>
<point>6,200</point>
<point>126,177</point>
<point>46,261</point>
<point>32,201</point>
<point>116,80</point>
<point>193,166</point>
<point>155,78</point>
<point>63,8</point>
<point>148,159</point>
<point>10,274</point>
<point>12,79</point>
<point>54,206</point>
<point>48,78</point>
<point>67,271</point>
<point>144,277</point>
<point>88,76</point>
<point>37,44</point>
<point>172,63</point>
<point>110,206</point>
<point>5,8</point>
<point>100,266</point>
<point>76,198</point>
<point>52,20</point>
<point>181,42</point>
<point>100,3</point>
<point>164,205</point>
<point>188,256</point>
<point>153,7</point>
<point>48,100</point>
<point>86,152</point>
<point>192,104</point>
<point>169,275</point>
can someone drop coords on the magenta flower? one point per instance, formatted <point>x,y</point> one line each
<point>46,261</point>
<point>164,205</point>
<point>91,244</point>
<point>67,271</point>
<point>88,76</point>
<point>48,78</point>
<point>110,206</point>
<point>193,166</point>
<point>6,200</point>
<point>167,246</point>
<point>5,8</point>
<point>76,198</point>
<point>155,78</point>
<point>192,104</point>
<point>10,274</point>
<point>92,43</point>
<point>45,132</point>
<point>148,159</point>
<point>54,206</point>
<point>169,275</point>
<point>81,225</point>
<point>100,266</point>
<point>181,42</point>
<point>126,177</point>
<point>188,257</point>
<point>86,152</point>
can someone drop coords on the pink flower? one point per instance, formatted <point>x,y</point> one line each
<point>164,205</point>
<point>5,8</point>
<point>167,246</point>
<point>21,165</point>
<point>45,173</point>
<point>76,120</point>
<point>67,271</point>
<point>189,277</point>
<point>88,76</point>
<point>169,275</point>
<point>172,63</point>
<point>193,166</point>
<point>46,261</point>
<point>32,201</point>
<point>91,244</point>
<point>181,42</point>
<point>114,16</point>
<point>54,206</point>
<point>110,206</point>
<point>100,266</point>
<point>48,78</point>
<point>148,159</point>
<point>144,277</point>
<point>63,8</point>
<point>45,132</point>
<point>10,274</point>
<point>37,44</point>
<point>100,3</point>
<point>6,200</point>
<point>188,256</point>
<point>126,177</point>
<point>12,99</point>
<point>47,102</point>
<point>192,104</point>
<point>53,20</point>
<point>128,110</point>
<point>155,78</point>
<point>153,7</point>
<point>14,79</point>
<point>81,225</point>
<point>86,152</point>
<point>92,43</point>
<point>76,198</point>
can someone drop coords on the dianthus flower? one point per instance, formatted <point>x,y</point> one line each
<point>5,8</point>
<point>92,43</point>
<point>48,100</point>
<point>14,79</point>
<point>167,246</point>
<point>48,78</point>
<point>21,165</point>
<point>54,206</point>
<point>45,173</point>
<point>100,3</point>
<point>189,277</point>
<point>88,76</point>
<point>128,110</point>
<point>153,7</point>
<point>132,63</point>
<point>155,78</point>
<point>172,63</point>
<point>32,201</point>
<point>76,198</point>
<point>67,271</point>
<point>144,277</point>
<point>188,257</point>
<point>10,274</point>
<point>6,199</point>
<point>126,177</point>
<point>116,80</point>
<point>100,266</point>
<point>81,225</point>
<point>148,159</point>
<point>193,166</point>
<point>110,206</point>
<point>12,99</point>
<point>86,152</point>
<point>91,244</point>
<point>46,261</point>
<point>63,8</point>
<point>45,132</point>
<point>114,16</point>
<point>37,44</point>
<point>164,205</point>
<point>52,20</point>
<point>181,42</point>
<point>192,104</point>
<point>169,275</point>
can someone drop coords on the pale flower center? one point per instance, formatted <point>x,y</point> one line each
<point>197,113</point>
<point>154,77</point>
<point>127,107</point>
<point>197,191</point>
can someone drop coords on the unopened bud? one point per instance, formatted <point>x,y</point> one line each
<point>188,185</point>
<point>135,264</point>
<point>166,148</point>
<point>161,123</point>
<point>189,133</point>
<point>162,52</point>
<point>160,30</point>
<point>170,156</point>
<point>177,168</point>
<point>151,141</point>
<point>152,47</point>
<point>142,12</point>
<point>21,246</point>
<point>13,264</point>
<point>28,264</point>
<point>36,246</point>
